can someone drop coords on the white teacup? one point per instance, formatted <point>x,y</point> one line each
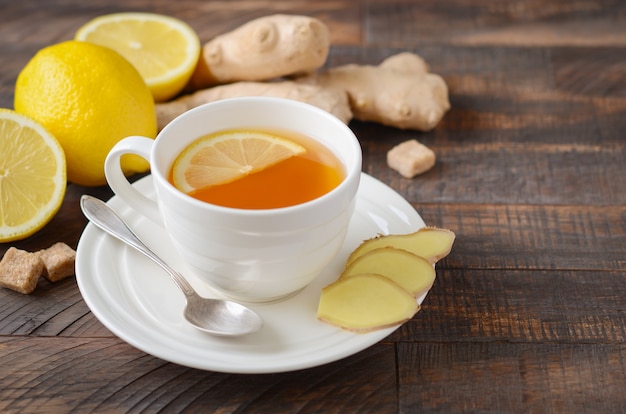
<point>248,255</point>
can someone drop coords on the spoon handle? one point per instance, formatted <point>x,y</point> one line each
<point>104,217</point>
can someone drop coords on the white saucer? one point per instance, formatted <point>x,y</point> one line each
<point>138,302</point>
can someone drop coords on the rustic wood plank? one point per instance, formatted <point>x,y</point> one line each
<point>557,307</point>
<point>512,378</point>
<point>483,170</point>
<point>539,237</point>
<point>106,375</point>
<point>54,309</point>
<point>405,23</point>
<point>57,22</point>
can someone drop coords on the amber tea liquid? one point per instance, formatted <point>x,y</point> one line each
<point>294,181</point>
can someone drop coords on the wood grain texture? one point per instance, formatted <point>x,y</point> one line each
<point>533,237</point>
<point>521,306</point>
<point>487,22</point>
<point>528,312</point>
<point>512,378</point>
<point>107,375</point>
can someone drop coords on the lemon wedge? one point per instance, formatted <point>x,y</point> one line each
<point>32,176</point>
<point>164,50</point>
<point>227,156</point>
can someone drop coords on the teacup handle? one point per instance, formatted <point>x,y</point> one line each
<point>118,182</point>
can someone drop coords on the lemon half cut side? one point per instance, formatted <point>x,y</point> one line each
<point>32,176</point>
<point>227,156</point>
<point>163,49</point>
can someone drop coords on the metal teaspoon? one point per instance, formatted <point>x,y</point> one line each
<point>215,316</point>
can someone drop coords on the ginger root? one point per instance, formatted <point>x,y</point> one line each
<point>330,100</point>
<point>265,48</point>
<point>400,92</point>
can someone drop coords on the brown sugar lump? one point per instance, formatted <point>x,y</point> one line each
<point>58,260</point>
<point>20,270</point>
<point>411,158</point>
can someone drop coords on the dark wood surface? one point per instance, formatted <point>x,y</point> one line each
<point>528,313</point>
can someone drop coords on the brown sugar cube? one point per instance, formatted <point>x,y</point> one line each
<point>20,270</point>
<point>411,158</point>
<point>58,261</point>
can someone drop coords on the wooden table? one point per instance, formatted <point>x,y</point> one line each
<point>528,313</point>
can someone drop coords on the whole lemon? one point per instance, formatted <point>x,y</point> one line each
<point>89,97</point>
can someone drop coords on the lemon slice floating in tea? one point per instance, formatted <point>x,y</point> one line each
<point>227,156</point>
<point>163,49</point>
<point>32,176</point>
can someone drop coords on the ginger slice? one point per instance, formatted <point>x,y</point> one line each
<point>382,278</point>
<point>431,243</point>
<point>413,273</point>
<point>366,302</point>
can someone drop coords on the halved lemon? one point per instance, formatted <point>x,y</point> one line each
<point>32,176</point>
<point>164,50</point>
<point>227,156</point>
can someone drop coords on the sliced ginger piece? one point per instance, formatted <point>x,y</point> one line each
<point>413,273</point>
<point>431,243</point>
<point>365,302</point>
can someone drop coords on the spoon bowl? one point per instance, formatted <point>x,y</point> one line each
<point>214,316</point>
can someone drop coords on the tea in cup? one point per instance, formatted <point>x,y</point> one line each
<point>216,169</point>
<point>266,235</point>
